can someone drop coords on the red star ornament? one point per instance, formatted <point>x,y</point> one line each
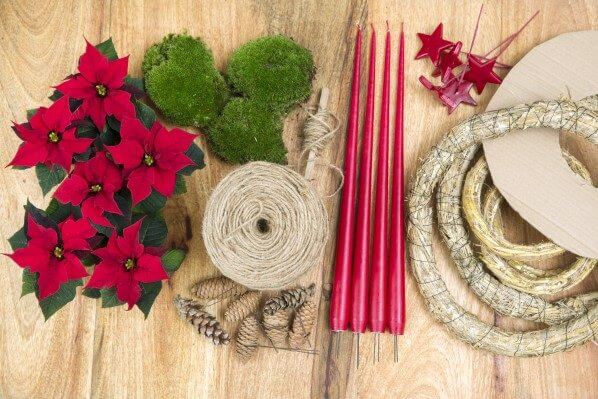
<point>448,61</point>
<point>481,73</point>
<point>455,93</point>
<point>432,45</point>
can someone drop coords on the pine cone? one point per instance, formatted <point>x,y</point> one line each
<point>276,326</point>
<point>304,321</point>
<point>242,306</point>
<point>289,299</point>
<point>217,288</point>
<point>204,322</point>
<point>247,338</point>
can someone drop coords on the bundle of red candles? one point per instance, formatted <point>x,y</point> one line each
<point>369,289</point>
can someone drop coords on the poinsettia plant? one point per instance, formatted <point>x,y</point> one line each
<point>115,166</point>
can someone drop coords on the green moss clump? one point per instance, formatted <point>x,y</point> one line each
<point>273,70</point>
<point>245,132</point>
<point>182,81</point>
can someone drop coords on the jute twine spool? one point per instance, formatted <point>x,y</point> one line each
<point>573,321</point>
<point>264,226</point>
<point>503,257</point>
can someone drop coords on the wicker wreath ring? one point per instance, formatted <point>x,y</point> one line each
<point>504,258</point>
<point>572,321</point>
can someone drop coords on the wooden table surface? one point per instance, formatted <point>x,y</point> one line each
<point>86,351</point>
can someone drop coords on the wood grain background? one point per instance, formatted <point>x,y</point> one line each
<point>85,351</point>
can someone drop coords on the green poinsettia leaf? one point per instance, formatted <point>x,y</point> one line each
<point>152,204</point>
<point>65,294</point>
<point>113,123</point>
<point>149,292</point>
<point>39,216</point>
<point>172,260</point>
<point>48,177</point>
<point>107,48</point>
<point>195,154</point>
<point>91,293</point>
<point>123,200</point>
<point>87,131</point>
<point>109,298</point>
<point>153,231</point>
<point>59,212</point>
<point>180,186</point>
<point>18,239</point>
<point>145,114</point>
<point>109,136</point>
<point>29,285</point>
<point>137,83</point>
<point>31,112</point>
<point>107,231</point>
<point>88,260</point>
<point>55,95</point>
<point>74,104</point>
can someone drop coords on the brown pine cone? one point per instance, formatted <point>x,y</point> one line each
<point>242,306</point>
<point>289,299</point>
<point>276,326</point>
<point>217,288</point>
<point>203,322</point>
<point>247,338</point>
<point>304,321</point>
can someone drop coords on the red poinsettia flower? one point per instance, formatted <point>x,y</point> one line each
<point>49,138</point>
<point>92,186</point>
<point>99,84</point>
<point>151,158</point>
<point>125,262</point>
<point>52,254</point>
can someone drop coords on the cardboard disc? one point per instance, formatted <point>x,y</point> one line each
<point>528,167</point>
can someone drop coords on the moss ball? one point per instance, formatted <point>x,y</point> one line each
<point>247,131</point>
<point>274,70</point>
<point>182,81</point>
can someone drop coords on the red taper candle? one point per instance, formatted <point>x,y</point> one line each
<point>339,303</point>
<point>396,259</point>
<point>361,252</point>
<point>378,299</point>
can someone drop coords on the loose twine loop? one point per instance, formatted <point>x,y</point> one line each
<point>572,321</point>
<point>264,226</point>
<point>320,128</point>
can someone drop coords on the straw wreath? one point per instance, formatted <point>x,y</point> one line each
<point>573,321</point>
<point>487,227</point>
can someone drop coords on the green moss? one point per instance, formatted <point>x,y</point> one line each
<point>273,70</point>
<point>246,131</point>
<point>182,81</point>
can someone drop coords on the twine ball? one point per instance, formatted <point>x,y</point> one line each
<point>264,226</point>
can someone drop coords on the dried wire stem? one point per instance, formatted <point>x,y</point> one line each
<point>217,288</point>
<point>574,320</point>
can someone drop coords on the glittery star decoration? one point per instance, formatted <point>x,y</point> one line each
<point>481,73</point>
<point>455,93</point>
<point>448,61</point>
<point>432,45</point>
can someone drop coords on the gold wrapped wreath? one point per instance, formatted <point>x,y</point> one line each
<point>504,258</point>
<point>572,321</point>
